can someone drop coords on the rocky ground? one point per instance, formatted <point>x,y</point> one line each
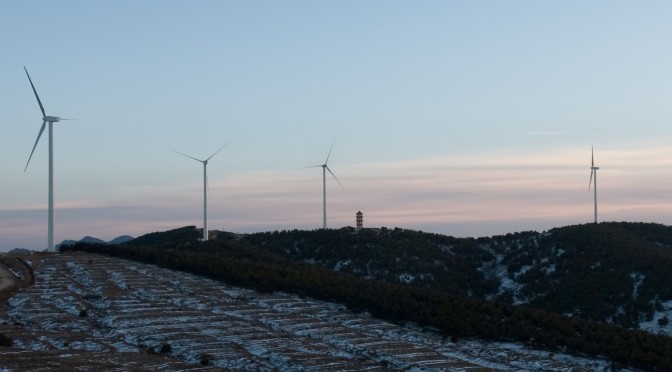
<point>86,312</point>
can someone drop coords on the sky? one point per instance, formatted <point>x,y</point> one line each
<point>465,118</point>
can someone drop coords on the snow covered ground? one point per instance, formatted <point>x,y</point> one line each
<point>656,325</point>
<point>84,310</point>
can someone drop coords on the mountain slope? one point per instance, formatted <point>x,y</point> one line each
<point>617,273</point>
<point>94,313</point>
<point>611,272</point>
<point>392,274</point>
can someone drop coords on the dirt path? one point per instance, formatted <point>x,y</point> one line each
<point>10,267</point>
<point>7,279</point>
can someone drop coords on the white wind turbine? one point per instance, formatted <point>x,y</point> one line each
<point>593,179</point>
<point>51,120</point>
<point>325,168</point>
<point>205,188</point>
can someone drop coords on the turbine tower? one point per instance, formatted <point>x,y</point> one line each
<point>325,168</point>
<point>51,120</point>
<point>205,188</point>
<point>593,179</point>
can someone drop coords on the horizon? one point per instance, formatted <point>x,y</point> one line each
<point>464,119</point>
<point>108,241</point>
<point>523,204</point>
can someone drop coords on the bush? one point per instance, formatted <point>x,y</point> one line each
<point>165,349</point>
<point>6,341</point>
<point>206,359</point>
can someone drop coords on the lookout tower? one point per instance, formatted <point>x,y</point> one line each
<point>360,219</point>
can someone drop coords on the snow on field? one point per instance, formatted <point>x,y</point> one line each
<point>83,306</point>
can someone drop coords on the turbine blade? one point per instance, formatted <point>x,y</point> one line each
<point>44,124</point>
<point>35,91</point>
<point>312,166</point>
<point>332,173</point>
<point>191,157</point>
<point>590,182</point>
<point>592,157</point>
<point>332,147</point>
<point>220,149</point>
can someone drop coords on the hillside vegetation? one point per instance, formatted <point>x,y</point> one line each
<point>614,273</point>
<point>515,287</point>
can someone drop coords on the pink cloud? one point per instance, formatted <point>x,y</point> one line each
<point>462,195</point>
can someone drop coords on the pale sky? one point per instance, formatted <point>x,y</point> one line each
<point>466,118</point>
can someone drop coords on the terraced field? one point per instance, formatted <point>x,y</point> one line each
<point>91,312</point>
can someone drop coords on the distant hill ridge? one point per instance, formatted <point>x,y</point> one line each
<point>89,239</point>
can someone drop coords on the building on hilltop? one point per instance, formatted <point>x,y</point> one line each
<point>360,219</point>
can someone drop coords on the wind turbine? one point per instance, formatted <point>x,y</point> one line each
<point>593,176</point>
<point>51,120</point>
<point>325,168</point>
<point>205,188</point>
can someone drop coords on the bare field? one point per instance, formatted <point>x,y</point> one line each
<point>88,312</point>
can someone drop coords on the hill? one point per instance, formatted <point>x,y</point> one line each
<point>167,238</point>
<point>20,251</point>
<point>120,239</point>
<point>92,240</point>
<point>616,273</point>
<point>89,312</point>
<point>463,287</point>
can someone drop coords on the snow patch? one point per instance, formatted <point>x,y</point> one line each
<point>638,279</point>
<point>661,322</point>
<point>406,278</point>
<point>341,264</point>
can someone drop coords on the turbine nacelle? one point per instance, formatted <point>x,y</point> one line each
<point>51,119</point>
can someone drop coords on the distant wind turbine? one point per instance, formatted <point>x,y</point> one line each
<point>51,120</point>
<point>205,188</point>
<point>325,168</point>
<point>593,179</point>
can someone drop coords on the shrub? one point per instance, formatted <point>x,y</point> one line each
<point>165,349</point>
<point>6,341</point>
<point>206,359</point>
